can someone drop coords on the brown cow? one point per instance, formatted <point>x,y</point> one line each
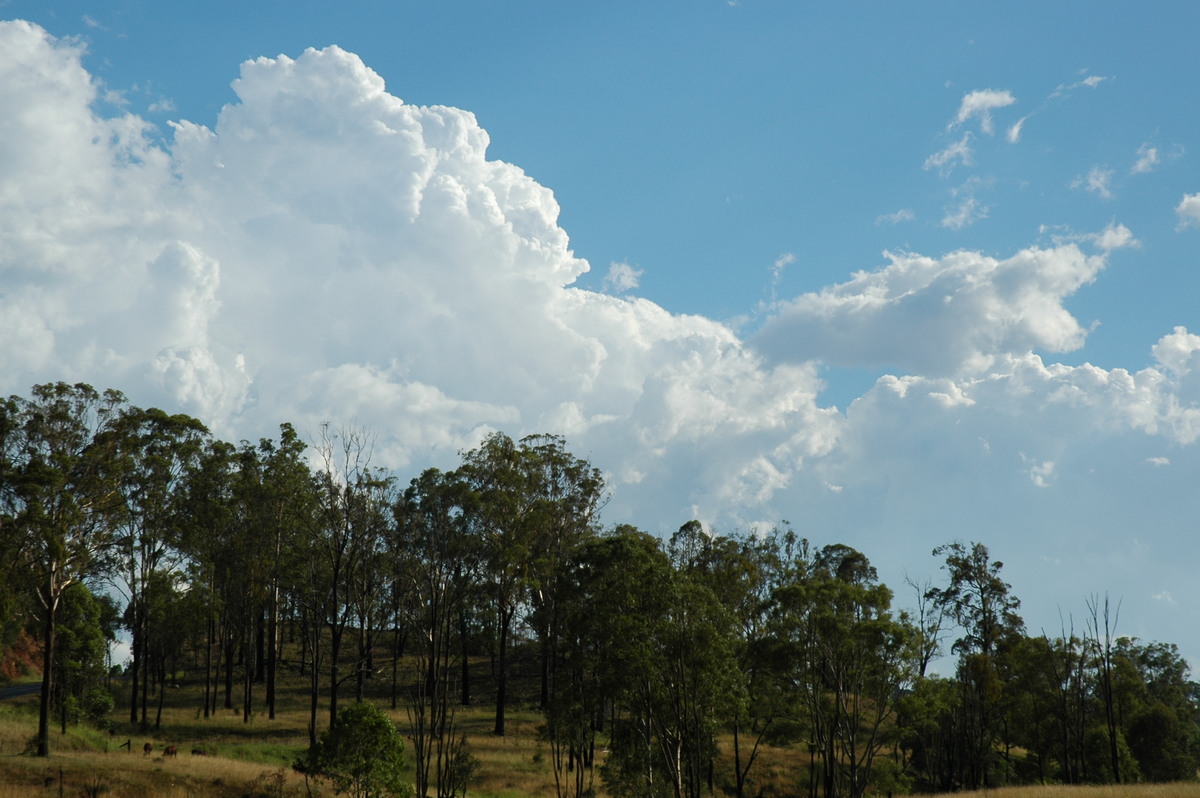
<point>169,751</point>
<point>199,752</point>
<point>147,748</point>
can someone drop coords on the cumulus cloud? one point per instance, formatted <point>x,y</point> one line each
<point>327,251</point>
<point>979,105</point>
<point>324,251</point>
<point>1188,211</point>
<point>944,315</point>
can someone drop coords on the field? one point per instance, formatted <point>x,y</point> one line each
<point>253,759</point>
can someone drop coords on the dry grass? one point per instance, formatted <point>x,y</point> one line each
<point>1176,790</point>
<point>253,759</point>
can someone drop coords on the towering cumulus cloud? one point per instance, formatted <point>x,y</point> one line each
<point>326,252</point>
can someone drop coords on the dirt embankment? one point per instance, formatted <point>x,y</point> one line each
<point>22,660</point>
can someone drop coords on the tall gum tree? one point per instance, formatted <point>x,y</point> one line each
<point>62,501</point>
<point>156,453</point>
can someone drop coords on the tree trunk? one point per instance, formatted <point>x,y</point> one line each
<point>502,672</point>
<point>48,640</point>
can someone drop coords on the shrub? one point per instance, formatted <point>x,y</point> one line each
<point>362,755</point>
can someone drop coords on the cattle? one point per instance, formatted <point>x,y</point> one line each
<point>199,752</point>
<point>170,751</point>
<point>147,748</point>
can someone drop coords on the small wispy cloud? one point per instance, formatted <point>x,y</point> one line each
<point>1089,82</point>
<point>967,210</point>
<point>1164,596</point>
<point>966,213</point>
<point>621,277</point>
<point>1158,461</point>
<point>980,104</point>
<point>1042,474</point>
<point>1147,160</point>
<point>781,263</point>
<point>957,153</point>
<point>896,217</point>
<point>1098,181</point>
<point>1014,133</point>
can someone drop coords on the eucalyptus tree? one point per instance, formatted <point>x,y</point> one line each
<point>157,451</point>
<point>209,503</point>
<point>61,499</point>
<point>649,652</point>
<point>440,563</point>
<point>15,594</point>
<point>619,588</point>
<point>500,507</point>
<point>744,572</point>
<point>567,494</point>
<point>88,626</point>
<point>531,504</point>
<point>852,659</point>
<point>982,605</point>
<point>1158,709</point>
<point>274,502</point>
<point>351,496</point>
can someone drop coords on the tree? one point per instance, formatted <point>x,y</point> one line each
<point>499,508</point>
<point>351,499</point>
<point>982,605</point>
<point>156,453</point>
<point>442,564</point>
<point>88,625</point>
<point>744,572</point>
<point>852,661</point>
<point>568,493</point>
<point>61,500</point>
<point>362,754</point>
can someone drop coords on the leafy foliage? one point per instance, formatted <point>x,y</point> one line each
<point>362,755</point>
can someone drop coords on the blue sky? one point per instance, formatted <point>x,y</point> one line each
<point>897,273</point>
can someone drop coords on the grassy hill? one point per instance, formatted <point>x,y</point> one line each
<point>253,759</point>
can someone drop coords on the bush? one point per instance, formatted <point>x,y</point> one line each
<point>362,755</point>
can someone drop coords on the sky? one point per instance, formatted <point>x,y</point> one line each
<point>897,274</point>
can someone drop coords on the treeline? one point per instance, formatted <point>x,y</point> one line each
<point>682,659</point>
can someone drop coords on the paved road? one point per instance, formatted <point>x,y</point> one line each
<point>21,689</point>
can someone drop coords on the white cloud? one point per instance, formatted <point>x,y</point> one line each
<point>621,277</point>
<point>1147,160</point>
<point>1042,474</point>
<point>1188,211</point>
<point>968,211</point>
<point>1098,181</point>
<point>896,217</point>
<point>1014,132</point>
<point>1088,82</point>
<point>980,104</point>
<point>325,251</point>
<point>955,154</point>
<point>937,316</point>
